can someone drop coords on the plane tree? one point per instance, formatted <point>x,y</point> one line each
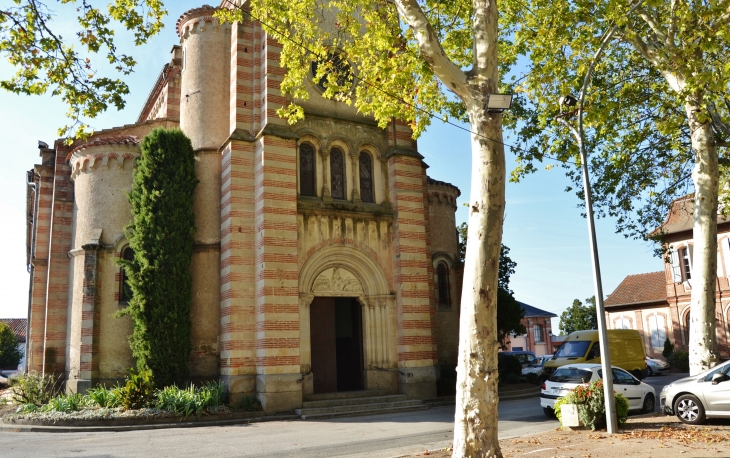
<point>655,116</point>
<point>52,57</point>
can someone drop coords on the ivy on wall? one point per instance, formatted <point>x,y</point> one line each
<point>161,235</point>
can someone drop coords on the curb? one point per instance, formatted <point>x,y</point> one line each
<point>9,427</point>
<point>523,394</point>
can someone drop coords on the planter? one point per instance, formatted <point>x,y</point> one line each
<point>569,415</point>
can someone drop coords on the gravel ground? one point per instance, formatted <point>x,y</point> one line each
<point>648,436</point>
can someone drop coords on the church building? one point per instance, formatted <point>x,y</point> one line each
<point>325,258</point>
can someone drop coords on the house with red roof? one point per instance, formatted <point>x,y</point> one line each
<point>657,304</point>
<point>19,326</point>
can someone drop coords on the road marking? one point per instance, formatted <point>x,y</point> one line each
<point>541,450</point>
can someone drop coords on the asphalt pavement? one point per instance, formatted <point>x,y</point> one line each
<point>378,436</point>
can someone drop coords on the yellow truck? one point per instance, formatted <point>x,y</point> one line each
<point>625,345</point>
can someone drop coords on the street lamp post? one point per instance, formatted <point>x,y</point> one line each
<point>579,134</point>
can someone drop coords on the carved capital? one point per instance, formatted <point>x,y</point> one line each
<point>325,153</point>
<point>305,300</point>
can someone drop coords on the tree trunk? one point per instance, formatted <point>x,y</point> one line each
<point>703,337</point>
<point>475,429</point>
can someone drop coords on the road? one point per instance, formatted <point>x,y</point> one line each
<point>378,436</point>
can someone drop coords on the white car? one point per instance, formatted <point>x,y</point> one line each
<point>535,367</point>
<point>640,395</point>
<point>656,366</point>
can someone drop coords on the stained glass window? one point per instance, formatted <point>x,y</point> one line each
<point>306,170</point>
<point>366,178</point>
<point>337,173</point>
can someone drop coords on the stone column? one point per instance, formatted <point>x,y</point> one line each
<point>355,178</point>
<point>326,195</point>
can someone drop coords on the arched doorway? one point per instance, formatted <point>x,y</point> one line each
<point>347,317</point>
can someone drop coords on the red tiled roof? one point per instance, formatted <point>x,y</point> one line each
<point>119,140</point>
<point>639,289</point>
<point>680,217</point>
<point>18,325</point>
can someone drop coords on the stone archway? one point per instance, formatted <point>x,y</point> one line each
<point>344,271</point>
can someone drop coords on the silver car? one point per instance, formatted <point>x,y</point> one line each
<point>695,398</point>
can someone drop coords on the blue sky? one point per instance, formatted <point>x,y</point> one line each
<point>544,229</point>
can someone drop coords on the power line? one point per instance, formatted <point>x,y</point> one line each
<point>380,89</point>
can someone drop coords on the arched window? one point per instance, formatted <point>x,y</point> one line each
<point>366,178</point>
<point>337,173</point>
<point>687,321</point>
<point>444,287</point>
<point>306,170</point>
<point>125,292</point>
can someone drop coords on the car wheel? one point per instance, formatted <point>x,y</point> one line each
<point>690,410</point>
<point>649,371</point>
<point>550,413</point>
<point>648,404</point>
<point>637,373</point>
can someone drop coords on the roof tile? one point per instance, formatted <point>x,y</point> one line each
<point>639,289</point>
<point>18,325</point>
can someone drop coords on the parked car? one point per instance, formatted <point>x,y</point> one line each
<point>565,378</point>
<point>656,366</point>
<point>625,345</point>
<point>535,367</point>
<point>525,357</point>
<point>693,399</point>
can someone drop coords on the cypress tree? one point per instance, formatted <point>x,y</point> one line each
<point>161,235</point>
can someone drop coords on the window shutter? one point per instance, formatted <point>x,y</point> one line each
<point>676,267</point>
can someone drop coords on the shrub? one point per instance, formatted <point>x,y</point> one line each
<point>668,349</point>
<point>10,354</point>
<point>592,405</point>
<point>34,388</point>
<point>138,392</point>
<point>532,378</point>
<point>190,400</point>
<point>508,364</point>
<point>679,360</point>
<point>63,403</point>
<point>161,235</point>
<point>104,397</point>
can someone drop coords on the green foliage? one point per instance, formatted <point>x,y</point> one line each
<point>532,378</point>
<point>250,402</point>
<point>668,349</point>
<point>661,57</point>
<point>190,400</point>
<point>592,405</point>
<point>508,367</point>
<point>509,311</point>
<point>579,317</point>
<point>138,391</point>
<point>33,388</point>
<point>161,236</point>
<point>63,403</point>
<point>679,360</point>
<point>10,355</point>
<point>46,60</point>
<point>391,76</point>
<point>104,397</point>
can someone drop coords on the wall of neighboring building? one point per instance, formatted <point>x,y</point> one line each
<point>528,342</point>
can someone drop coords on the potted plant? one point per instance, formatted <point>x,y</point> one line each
<point>585,405</point>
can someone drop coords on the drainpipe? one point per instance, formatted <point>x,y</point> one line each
<point>31,267</point>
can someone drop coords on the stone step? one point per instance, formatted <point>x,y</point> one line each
<point>357,407</point>
<point>354,401</point>
<point>346,395</point>
<point>365,411</point>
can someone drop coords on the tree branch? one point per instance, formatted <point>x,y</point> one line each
<point>655,27</point>
<point>430,47</point>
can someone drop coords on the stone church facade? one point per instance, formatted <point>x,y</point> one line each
<point>325,258</point>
